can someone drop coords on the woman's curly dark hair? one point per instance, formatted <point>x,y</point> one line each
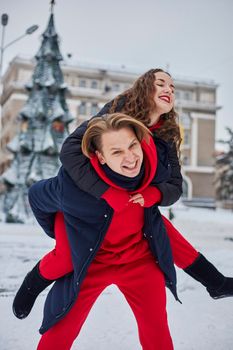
<point>139,103</point>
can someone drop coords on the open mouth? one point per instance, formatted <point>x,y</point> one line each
<point>165,98</point>
<point>131,167</point>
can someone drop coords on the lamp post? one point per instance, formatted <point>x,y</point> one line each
<point>30,30</point>
<point>4,21</point>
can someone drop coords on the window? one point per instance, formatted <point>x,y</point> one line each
<point>74,81</point>
<point>188,95</point>
<point>186,137</point>
<point>207,97</point>
<point>82,109</point>
<point>94,108</point>
<point>82,83</point>
<point>116,87</point>
<point>107,89</point>
<point>68,79</point>
<point>185,188</point>
<point>94,84</point>
<point>24,75</point>
<point>185,160</point>
<point>185,120</point>
<point>177,94</point>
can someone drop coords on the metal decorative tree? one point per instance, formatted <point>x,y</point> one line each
<point>43,126</point>
<point>224,174</point>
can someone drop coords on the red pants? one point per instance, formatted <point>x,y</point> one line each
<point>58,262</point>
<point>143,286</point>
<point>141,282</point>
<point>184,254</point>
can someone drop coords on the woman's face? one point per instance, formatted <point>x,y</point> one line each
<point>121,151</point>
<point>164,97</point>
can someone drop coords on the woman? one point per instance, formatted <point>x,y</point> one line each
<point>150,100</point>
<point>107,247</point>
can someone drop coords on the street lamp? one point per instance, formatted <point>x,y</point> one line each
<point>30,30</point>
<point>4,21</point>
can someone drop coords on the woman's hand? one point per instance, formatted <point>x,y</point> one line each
<point>149,196</point>
<point>137,198</point>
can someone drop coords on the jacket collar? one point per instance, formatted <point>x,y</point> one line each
<point>150,164</point>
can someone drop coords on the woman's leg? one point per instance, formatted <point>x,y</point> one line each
<point>62,335</point>
<point>143,286</point>
<point>184,254</point>
<point>197,266</point>
<point>52,266</point>
<point>58,262</point>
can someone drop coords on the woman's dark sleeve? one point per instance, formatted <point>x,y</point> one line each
<point>77,165</point>
<point>172,188</point>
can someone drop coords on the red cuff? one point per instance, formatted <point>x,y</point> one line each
<point>117,199</point>
<point>151,196</point>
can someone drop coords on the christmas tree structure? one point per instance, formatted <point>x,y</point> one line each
<point>43,126</point>
<point>224,174</point>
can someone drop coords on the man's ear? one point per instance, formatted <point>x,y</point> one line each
<point>100,157</point>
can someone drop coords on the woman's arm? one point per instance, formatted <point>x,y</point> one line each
<point>45,201</point>
<point>171,190</point>
<point>166,187</point>
<point>77,165</point>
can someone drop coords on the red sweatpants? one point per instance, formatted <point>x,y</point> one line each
<point>184,254</point>
<point>57,262</point>
<point>143,286</point>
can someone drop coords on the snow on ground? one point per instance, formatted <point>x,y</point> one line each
<point>200,323</point>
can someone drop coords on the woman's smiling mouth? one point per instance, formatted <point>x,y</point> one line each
<point>165,98</point>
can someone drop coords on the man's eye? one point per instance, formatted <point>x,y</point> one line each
<point>116,152</point>
<point>134,145</point>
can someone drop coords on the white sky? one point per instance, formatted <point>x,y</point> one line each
<point>193,37</point>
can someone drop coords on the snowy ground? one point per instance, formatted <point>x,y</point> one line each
<point>200,323</point>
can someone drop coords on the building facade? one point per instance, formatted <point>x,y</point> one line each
<point>90,87</point>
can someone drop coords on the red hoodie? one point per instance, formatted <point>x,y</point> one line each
<point>124,241</point>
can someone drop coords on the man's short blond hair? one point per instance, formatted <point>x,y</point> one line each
<point>92,139</point>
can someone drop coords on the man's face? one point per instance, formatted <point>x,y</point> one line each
<point>121,151</point>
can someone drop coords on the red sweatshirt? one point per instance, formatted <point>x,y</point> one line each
<point>124,241</point>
